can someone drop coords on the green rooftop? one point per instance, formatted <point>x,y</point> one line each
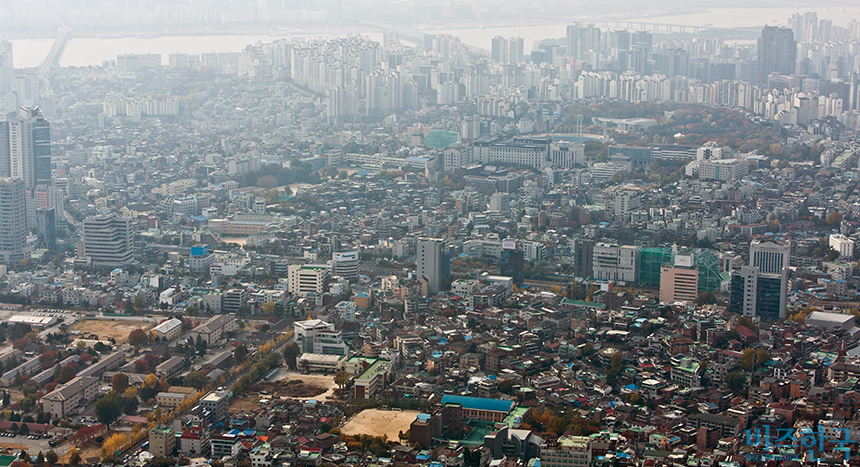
<point>441,139</point>
<point>373,370</point>
<point>515,417</point>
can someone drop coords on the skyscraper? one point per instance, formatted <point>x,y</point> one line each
<point>499,49</point>
<point>13,220</point>
<point>756,294</point>
<point>47,228</point>
<point>25,147</point>
<point>516,50</point>
<point>108,240</point>
<point>6,70</point>
<point>777,52</point>
<point>429,261</point>
<point>582,39</point>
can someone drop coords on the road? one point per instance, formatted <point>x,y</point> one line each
<point>279,349</point>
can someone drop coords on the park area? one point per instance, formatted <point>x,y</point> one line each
<point>105,329</point>
<point>378,422</point>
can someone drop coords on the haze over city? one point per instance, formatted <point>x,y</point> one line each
<point>287,233</point>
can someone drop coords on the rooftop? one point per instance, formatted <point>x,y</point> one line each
<point>479,403</point>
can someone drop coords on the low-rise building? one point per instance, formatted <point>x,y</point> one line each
<point>70,397</point>
<point>168,330</point>
<point>215,404</point>
<point>162,441</point>
<point>213,330</point>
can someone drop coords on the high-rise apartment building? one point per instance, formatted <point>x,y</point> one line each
<point>679,282</point>
<point>6,68</point>
<point>583,250</point>
<point>582,39</point>
<point>757,294</point>
<point>777,52</point>
<point>429,262</point>
<point>499,49</point>
<point>25,147</point>
<point>770,257</point>
<point>13,219</point>
<point>108,240</point>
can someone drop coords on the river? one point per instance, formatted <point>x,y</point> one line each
<point>93,51</point>
<point>480,36</point>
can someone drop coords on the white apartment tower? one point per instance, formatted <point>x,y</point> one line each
<point>25,147</point>
<point>108,240</point>
<point>13,219</point>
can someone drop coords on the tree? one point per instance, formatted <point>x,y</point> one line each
<point>834,218</point>
<point>138,303</point>
<point>507,386</point>
<point>748,359</point>
<point>240,353</point>
<point>736,381</point>
<point>706,298</point>
<point>129,405</point>
<point>761,356</point>
<point>290,353</point>
<point>119,382</point>
<point>67,372</point>
<point>341,378</point>
<point>616,366</point>
<point>40,458</point>
<point>138,337</point>
<point>108,408</point>
<point>269,308</point>
<point>51,457</point>
<point>74,456</point>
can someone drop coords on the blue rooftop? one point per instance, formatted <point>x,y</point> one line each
<point>479,403</point>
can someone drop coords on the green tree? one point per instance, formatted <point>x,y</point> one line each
<point>108,408</point>
<point>74,457</point>
<point>240,353</point>
<point>341,378</point>
<point>761,356</point>
<point>507,386</point>
<point>736,381</point>
<point>51,457</point>
<point>834,218</point>
<point>67,372</point>
<point>290,353</point>
<point>138,337</point>
<point>119,382</point>
<point>748,359</point>
<point>129,405</point>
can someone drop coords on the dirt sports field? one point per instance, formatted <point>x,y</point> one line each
<point>326,382</point>
<point>106,329</point>
<point>378,422</point>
